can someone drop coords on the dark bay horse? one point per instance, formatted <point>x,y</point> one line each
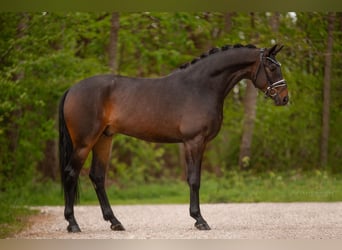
<point>185,106</point>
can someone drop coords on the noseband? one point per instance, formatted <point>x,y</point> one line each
<point>271,88</point>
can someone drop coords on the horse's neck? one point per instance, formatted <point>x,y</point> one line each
<point>229,80</point>
<point>227,69</point>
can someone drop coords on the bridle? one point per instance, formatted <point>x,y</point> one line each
<point>272,87</point>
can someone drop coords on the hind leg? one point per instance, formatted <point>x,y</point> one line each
<point>101,156</point>
<point>71,174</point>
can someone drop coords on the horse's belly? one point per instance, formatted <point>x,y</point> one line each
<point>153,131</point>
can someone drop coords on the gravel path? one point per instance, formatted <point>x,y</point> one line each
<point>228,221</point>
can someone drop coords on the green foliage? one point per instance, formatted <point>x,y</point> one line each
<point>160,41</point>
<point>42,54</point>
<point>136,160</point>
<point>39,63</point>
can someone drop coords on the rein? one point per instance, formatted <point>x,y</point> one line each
<point>271,89</point>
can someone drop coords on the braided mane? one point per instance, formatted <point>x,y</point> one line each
<point>214,51</point>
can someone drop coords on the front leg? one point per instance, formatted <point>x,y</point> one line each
<point>193,154</point>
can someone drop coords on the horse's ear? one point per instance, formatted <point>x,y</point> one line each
<point>275,49</point>
<point>278,49</point>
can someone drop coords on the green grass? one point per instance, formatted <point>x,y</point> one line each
<point>274,187</point>
<point>316,186</point>
<point>234,187</point>
<point>13,219</point>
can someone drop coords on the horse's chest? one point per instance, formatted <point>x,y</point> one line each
<point>206,122</point>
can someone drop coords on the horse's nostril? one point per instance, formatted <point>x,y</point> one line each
<point>285,100</point>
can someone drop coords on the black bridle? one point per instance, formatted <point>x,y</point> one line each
<point>272,87</point>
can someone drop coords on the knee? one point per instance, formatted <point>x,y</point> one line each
<point>193,182</point>
<point>70,176</point>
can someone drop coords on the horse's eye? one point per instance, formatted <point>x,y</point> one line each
<point>272,67</point>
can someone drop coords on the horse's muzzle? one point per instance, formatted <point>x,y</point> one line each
<point>281,101</point>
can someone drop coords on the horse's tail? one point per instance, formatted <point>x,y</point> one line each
<point>65,146</point>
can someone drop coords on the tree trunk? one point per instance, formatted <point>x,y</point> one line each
<point>326,91</point>
<point>274,22</point>
<point>49,165</point>
<point>113,41</point>
<point>228,21</point>
<point>12,132</point>
<point>250,100</point>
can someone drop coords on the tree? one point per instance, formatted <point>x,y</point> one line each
<point>42,54</point>
<point>326,91</point>
<point>113,41</point>
<point>228,18</point>
<point>274,22</point>
<point>249,102</point>
<point>13,131</point>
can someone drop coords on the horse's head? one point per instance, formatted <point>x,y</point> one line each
<point>268,76</point>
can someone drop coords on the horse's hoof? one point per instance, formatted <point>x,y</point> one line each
<point>202,226</point>
<point>73,229</point>
<point>117,227</point>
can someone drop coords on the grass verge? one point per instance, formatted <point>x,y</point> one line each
<point>13,219</point>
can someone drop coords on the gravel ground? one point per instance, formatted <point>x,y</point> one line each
<point>228,221</point>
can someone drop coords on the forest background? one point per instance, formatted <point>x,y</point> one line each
<point>260,145</point>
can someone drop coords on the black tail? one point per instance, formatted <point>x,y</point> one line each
<point>65,145</point>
